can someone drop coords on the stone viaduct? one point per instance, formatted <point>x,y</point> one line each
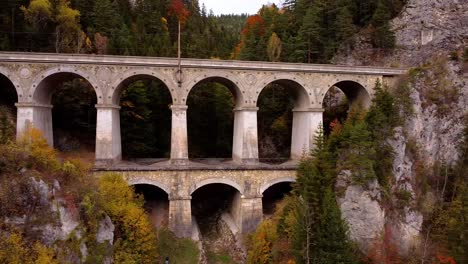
<point>35,76</point>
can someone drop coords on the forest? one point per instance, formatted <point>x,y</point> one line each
<point>306,226</point>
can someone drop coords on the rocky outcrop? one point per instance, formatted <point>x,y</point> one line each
<point>423,29</point>
<point>427,33</point>
<point>361,209</point>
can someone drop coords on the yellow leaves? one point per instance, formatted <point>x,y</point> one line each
<point>67,17</point>
<point>38,12</point>
<point>137,241</point>
<point>274,47</point>
<point>40,151</point>
<point>44,255</point>
<point>13,250</point>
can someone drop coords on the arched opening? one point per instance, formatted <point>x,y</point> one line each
<point>216,210</point>
<point>273,195</point>
<point>275,119</point>
<point>156,204</point>
<point>339,99</point>
<point>210,118</point>
<point>145,119</point>
<point>8,98</point>
<point>67,107</point>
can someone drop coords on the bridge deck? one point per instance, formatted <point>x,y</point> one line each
<point>198,164</point>
<point>194,63</point>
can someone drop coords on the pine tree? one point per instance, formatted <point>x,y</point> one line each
<point>320,235</point>
<point>310,33</point>
<point>332,239</point>
<point>383,37</point>
<point>344,23</point>
<point>105,17</point>
<point>381,119</point>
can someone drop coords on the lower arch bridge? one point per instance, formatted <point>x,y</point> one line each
<point>184,185</point>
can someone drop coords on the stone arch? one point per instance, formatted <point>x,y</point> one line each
<point>41,91</point>
<point>162,186</point>
<point>136,74</point>
<point>355,90</point>
<point>5,73</point>
<point>231,82</point>
<point>268,184</point>
<point>303,97</point>
<point>198,185</point>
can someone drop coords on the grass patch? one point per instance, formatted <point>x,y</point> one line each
<point>179,251</point>
<point>219,258</point>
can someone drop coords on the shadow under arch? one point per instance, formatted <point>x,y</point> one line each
<point>297,90</point>
<point>214,201</point>
<point>210,116</point>
<point>355,92</point>
<point>278,103</point>
<point>8,112</point>
<point>230,82</point>
<point>205,182</point>
<point>145,116</point>
<point>47,82</point>
<point>339,99</point>
<point>156,203</point>
<point>132,76</point>
<point>273,192</point>
<point>9,94</point>
<point>65,102</point>
<point>154,183</point>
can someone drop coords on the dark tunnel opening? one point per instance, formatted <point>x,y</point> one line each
<point>273,195</point>
<point>156,204</point>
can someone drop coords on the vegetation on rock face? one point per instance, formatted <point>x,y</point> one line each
<point>37,188</point>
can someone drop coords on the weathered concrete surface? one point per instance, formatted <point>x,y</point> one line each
<point>305,125</point>
<point>108,141</point>
<point>179,138</point>
<point>245,141</point>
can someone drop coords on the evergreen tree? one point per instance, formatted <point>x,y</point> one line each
<point>310,33</point>
<point>356,151</point>
<point>344,23</point>
<point>383,37</point>
<point>381,119</point>
<point>320,235</point>
<point>332,241</point>
<point>104,17</point>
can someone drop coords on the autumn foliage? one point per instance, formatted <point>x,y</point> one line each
<point>178,9</point>
<point>254,22</point>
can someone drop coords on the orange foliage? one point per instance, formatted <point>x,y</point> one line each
<point>336,126</point>
<point>445,259</point>
<point>252,22</point>
<point>384,251</point>
<point>178,9</point>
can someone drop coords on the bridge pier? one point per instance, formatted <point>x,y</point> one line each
<point>35,115</point>
<point>179,138</point>
<point>180,216</point>
<point>251,213</point>
<point>305,124</point>
<point>108,140</point>
<point>245,141</point>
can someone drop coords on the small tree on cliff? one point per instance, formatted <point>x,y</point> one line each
<point>320,235</point>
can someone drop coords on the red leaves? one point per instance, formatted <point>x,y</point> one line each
<point>255,21</point>
<point>178,9</point>
<point>445,259</point>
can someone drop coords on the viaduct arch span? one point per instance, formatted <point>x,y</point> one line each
<point>34,76</point>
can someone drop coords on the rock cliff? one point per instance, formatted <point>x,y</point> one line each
<point>431,37</point>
